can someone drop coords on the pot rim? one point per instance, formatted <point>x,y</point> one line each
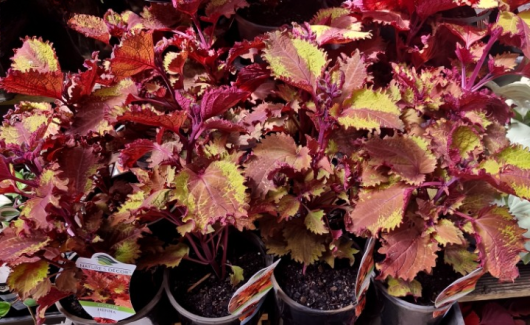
<point>406,304</point>
<point>139,315</point>
<point>184,312</point>
<point>279,291</point>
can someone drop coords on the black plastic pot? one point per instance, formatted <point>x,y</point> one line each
<point>188,318</point>
<point>145,316</point>
<point>293,313</point>
<point>399,312</point>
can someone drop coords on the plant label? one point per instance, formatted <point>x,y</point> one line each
<point>248,299</point>
<point>365,274</point>
<point>457,290</point>
<point>105,294</point>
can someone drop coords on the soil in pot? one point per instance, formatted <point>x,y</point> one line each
<point>211,297</point>
<point>321,287</point>
<point>143,289</point>
<point>433,284</point>
<point>285,12</point>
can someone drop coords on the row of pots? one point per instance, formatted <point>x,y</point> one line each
<point>394,311</point>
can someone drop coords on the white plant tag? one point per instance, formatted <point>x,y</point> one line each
<point>104,270</point>
<point>247,300</point>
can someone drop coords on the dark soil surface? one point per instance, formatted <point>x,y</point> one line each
<point>211,297</point>
<point>144,286</point>
<point>285,12</point>
<point>321,287</point>
<point>432,284</point>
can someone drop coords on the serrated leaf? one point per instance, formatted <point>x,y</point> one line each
<point>90,26</point>
<point>174,62</point>
<point>407,252</point>
<point>45,302</point>
<point>274,150</point>
<point>171,257</point>
<point>134,55</point>
<point>354,69</point>
<point>315,223</point>
<point>294,61</point>
<point>341,30</point>
<point>462,260</point>
<point>408,157</point>
<point>344,247</point>
<point>236,276</point>
<point>28,131</point>
<point>464,140</point>
<point>517,180</point>
<point>79,164</point>
<point>368,109</point>
<point>172,121</point>
<point>215,194</point>
<point>35,55</point>
<point>515,155</point>
<point>447,233</point>
<point>13,246</point>
<point>34,83</point>
<point>188,7</point>
<point>217,8</point>
<point>26,276</point>
<point>304,246</point>
<point>499,241</point>
<point>400,288</point>
<point>380,209</point>
<point>288,207</point>
<point>217,101</point>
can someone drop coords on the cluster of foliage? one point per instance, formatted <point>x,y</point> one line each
<point>505,311</point>
<point>371,120</point>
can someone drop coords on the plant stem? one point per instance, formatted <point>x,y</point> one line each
<point>194,246</point>
<point>465,216</point>
<point>494,37</point>
<point>191,259</point>
<point>199,31</point>
<point>225,248</point>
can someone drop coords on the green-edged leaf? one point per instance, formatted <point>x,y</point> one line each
<point>218,193</point>
<point>462,260</point>
<point>273,151</point>
<point>515,155</point>
<point>499,241</point>
<point>400,288</point>
<point>447,233</point>
<point>236,276</point>
<point>379,209</point>
<point>90,26</point>
<point>368,109</point>
<point>25,277</point>
<point>13,246</point>
<point>464,141</point>
<point>344,248</point>
<point>304,246</point>
<point>353,68</point>
<point>288,207</point>
<point>314,222</point>
<point>35,55</point>
<point>295,61</point>
<point>408,157</point>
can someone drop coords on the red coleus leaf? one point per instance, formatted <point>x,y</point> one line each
<point>13,245</point>
<point>216,101</point>
<point>499,241</point>
<point>172,121</point>
<point>407,252</point>
<point>135,54</point>
<point>139,148</point>
<point>467,33</point>
<point>252,76</point>
<point>82,83</point>
<point>188,7</point>
<point>272,152</point>
<point>227,8</point>
<point>245,47</point>
<point>96,112</point>
<point>336,26</point>
<point>34,83</point>
<point>353,68</point>
<point>224,125</point>
<point>50,183</point>
<point>90,26</point>
<point>408,157</point>
<point>47,301</point>
<point>79,164</point>
<point>380,209</point>
<point>158,17</point>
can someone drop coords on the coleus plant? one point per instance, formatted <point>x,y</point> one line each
<point>143,135</point>
<point>440,155</point>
